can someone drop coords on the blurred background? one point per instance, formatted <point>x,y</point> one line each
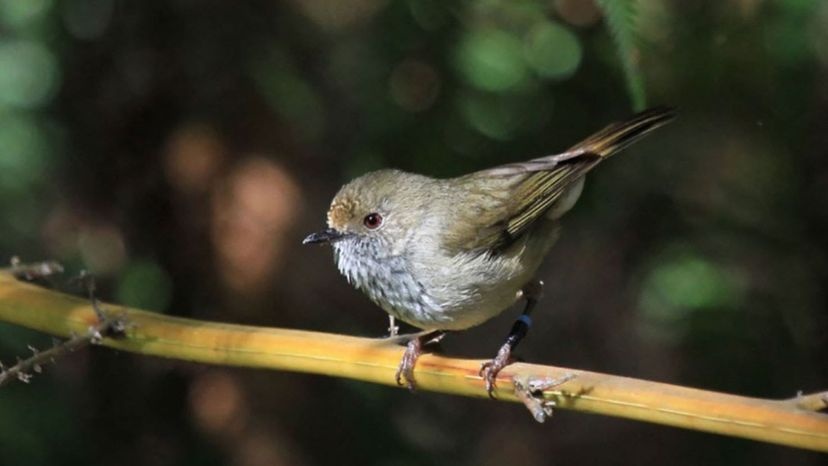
<point>181,150</point>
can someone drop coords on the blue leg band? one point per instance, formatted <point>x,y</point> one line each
<point>525,319</point>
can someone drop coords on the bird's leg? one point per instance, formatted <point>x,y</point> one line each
<point>413,350</point>
<point>532,293</point>
<point>393,329</point>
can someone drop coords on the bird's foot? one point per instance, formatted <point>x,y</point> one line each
<point>413,350</point>
<point>490,369</point>
<point>405,372</point>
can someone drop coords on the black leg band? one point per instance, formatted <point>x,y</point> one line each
<point>519,330</point>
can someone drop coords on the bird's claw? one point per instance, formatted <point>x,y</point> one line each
<point>405,371</point>
<point>490,369</point>
<point>405,376</point>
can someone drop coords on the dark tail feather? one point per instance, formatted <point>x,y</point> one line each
<point>618,136</point>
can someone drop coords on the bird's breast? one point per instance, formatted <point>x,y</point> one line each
<point>390,283</point>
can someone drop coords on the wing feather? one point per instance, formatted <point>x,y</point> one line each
<point>532,187</point>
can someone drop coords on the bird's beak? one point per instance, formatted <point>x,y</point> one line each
<point>325,236</point>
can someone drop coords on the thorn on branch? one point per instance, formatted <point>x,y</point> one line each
<point>22,371</point>
<point>95,336</point>
<point>812,402</point>
<point>38,271</point>
<point>530,390</point>
<point>108,326</point>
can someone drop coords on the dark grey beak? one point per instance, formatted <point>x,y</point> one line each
<point>325,236</point>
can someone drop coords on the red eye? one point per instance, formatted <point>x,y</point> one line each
<point>372,221</point>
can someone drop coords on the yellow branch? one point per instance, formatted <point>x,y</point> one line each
<point>793,422</point>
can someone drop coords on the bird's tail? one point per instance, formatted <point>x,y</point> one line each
<point>540,183</point>
<point>554,174</point>
<point>618,136</point>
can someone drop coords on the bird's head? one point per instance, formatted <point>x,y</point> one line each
<point>376,210</point>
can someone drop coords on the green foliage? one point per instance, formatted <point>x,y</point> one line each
<point>620,16</point>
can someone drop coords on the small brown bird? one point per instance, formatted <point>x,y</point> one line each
<point>450,254</point>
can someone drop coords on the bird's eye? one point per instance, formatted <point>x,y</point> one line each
<point>372,221</point>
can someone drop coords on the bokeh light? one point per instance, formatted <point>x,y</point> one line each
<point>491,115</point>
<point>193,158</point>
<point>578,12</point>
<point>29,74</point>
<point>144,284</point>
<point>684,282</point>
<point>102,248</point>
<point>25,153</point>
<point>492,60</point>
<point>253,210</point>
<point>218,403</point>
<point>414,85</point>
<point>21,13</point>
<point>552,50</point>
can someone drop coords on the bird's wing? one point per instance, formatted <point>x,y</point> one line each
<point>512,197</point>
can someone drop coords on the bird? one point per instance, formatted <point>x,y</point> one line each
<point>447,254</point>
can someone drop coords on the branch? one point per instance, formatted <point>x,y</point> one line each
<point>22,371</point>
<point>793,422</point>
<point>107,325</point>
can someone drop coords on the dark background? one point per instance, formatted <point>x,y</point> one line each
<point>180,151</point>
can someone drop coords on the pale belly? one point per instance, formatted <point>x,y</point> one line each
<point>411,303</point>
